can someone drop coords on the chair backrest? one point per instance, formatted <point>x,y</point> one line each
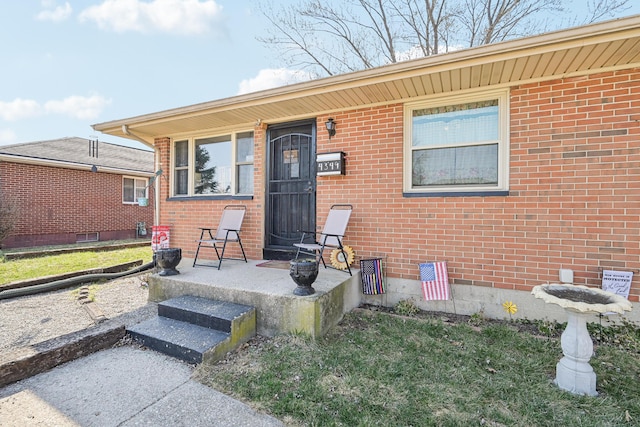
<point>336,223</point>
<point>232,217</point>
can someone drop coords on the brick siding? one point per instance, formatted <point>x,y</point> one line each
<point>55,204</point>
<point>573,200</point>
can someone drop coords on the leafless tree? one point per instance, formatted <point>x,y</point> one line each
<point>328,37</point>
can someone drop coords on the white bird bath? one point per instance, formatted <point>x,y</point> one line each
<point>573,372</point>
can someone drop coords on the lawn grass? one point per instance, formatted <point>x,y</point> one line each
<point>378,369</point>
<point>29,268</point>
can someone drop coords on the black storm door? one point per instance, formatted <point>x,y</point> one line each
<point>291,187</point>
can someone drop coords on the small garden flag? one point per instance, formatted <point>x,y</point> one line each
<point>435,280</point>
<point>372,278</point>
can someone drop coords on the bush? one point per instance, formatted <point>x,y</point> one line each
<point>406,308</point>
<point>8,217</point>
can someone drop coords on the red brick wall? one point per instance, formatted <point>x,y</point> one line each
<point>574,199</point>
<point>185,216</point>
<point>55,204</point>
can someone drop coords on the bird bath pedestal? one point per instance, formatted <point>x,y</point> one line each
<point>573,372</point>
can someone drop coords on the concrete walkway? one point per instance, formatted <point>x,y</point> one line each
<point>123,386</point>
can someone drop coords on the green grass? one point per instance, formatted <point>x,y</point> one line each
<point>29,268</point>
<point>376,369</point>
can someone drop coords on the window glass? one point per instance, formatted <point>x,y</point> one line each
<point>244,159</point>
<point>455,146</point>
<point>132,188</point>
<point>128,190</point>
<point>476,164</point>
<point>182,153</point>
<point>141,188</point>
<point>455,124</point>
<point>245,179</point>
<point>245,147</point>
<point>181,174</point>
<point>221,165</point>
<point>213,166</point>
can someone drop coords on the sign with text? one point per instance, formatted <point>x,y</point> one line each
<point>618,282</point>
<point>330,163</point>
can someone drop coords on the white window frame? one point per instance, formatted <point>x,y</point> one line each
<point>235,164</point>
<point>502,95</point>
<point>135,189</point>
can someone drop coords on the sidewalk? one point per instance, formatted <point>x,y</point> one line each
<point>123,386</point>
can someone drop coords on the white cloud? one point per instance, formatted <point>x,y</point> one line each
<point>19,109</point>
<point>7,136</point>
<point>54,13</point>
<point>270,78</point>
<point>78,107</point>
<point>171,16</point>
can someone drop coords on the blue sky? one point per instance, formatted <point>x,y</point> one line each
<point>69,64</point>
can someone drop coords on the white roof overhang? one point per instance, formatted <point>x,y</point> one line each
<point>589,49</point>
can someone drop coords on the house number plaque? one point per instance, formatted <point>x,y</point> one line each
<point>330,164</point>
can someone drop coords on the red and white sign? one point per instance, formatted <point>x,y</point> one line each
<point>159,237</point>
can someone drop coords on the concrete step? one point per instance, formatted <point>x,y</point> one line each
<point>196,329</point>
<point>212,314</point>
<point>178,339</point>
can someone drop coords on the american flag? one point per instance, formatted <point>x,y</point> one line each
<point>372,278</point>
<point>435,280</point>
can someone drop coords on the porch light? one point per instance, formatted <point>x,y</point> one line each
<point>331,127</point>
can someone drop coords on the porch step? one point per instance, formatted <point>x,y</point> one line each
<point>278,254</point>
<point>196,329</point>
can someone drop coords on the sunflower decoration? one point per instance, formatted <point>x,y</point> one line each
<point>510,308</point>
<point>337,258</point>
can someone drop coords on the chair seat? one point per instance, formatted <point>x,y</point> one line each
<point>214,241</point>
<point>331,236</point>
<point>228,230</point>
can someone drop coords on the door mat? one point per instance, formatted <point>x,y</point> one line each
<point>283,265</point>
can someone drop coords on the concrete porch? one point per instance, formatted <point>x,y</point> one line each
<point>269,290</point>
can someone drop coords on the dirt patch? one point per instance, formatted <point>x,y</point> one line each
<point>32,319</point>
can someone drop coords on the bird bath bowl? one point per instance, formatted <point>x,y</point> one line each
<point>573,372</point>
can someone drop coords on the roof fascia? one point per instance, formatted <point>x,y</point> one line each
<point>70,165</point>
<point>563,39</point>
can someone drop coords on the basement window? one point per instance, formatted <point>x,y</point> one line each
<point>87,237</point>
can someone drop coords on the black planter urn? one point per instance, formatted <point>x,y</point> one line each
<point>304,272</point>
<point>168,259</point>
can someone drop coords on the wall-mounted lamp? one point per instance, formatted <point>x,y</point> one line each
<point>331,127</point>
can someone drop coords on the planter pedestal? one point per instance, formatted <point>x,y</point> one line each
<point>304,273</point>
<point>168,259</point>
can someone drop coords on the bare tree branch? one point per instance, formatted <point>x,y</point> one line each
<point>329,37</point>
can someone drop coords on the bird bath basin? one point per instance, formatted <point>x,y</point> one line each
<point>573,372</point>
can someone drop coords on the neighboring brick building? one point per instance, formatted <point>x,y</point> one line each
<point>508,161</point>
<point>75,190</point>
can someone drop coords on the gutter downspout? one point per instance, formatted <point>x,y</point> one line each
<point>156,188</point>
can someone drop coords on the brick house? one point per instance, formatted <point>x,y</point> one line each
<point>509,161</point>
<point>75,190</point>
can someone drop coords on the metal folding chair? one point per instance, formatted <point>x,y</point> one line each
<point>228,231</point>
<point>330,237</point>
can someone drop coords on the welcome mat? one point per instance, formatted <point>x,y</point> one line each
<point>283,265</point>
